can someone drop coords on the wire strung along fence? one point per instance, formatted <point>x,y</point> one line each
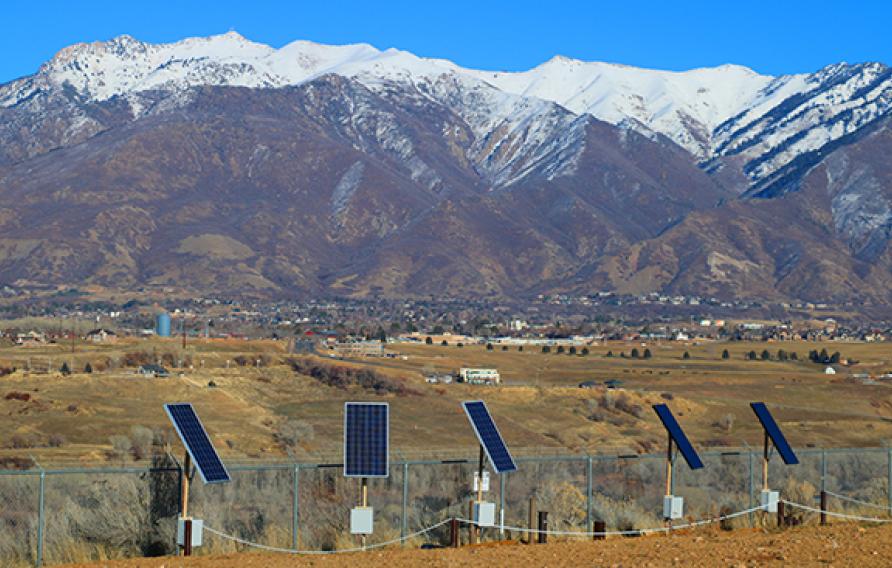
<point>53,516</point>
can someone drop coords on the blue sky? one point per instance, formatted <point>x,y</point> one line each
<point>771,37</point>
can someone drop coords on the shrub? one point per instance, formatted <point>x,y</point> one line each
<point>343,377</point>
<point>55,441</point>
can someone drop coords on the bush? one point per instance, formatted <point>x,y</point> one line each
<point>343,377</point>
<point>55,441</point>
<point>489,346</point>
<point>444,343</point>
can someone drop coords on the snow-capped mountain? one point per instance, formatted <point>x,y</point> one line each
<point>354,170</point>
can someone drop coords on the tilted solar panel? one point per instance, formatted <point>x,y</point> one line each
<point>774,432</point>
<point>197,442</point>
<point>678,436</point>
<point>489,436</point>
<point>366,433</point>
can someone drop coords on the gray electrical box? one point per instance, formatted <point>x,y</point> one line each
<point>197,529</point>
<point>361,520</point>
<point>769,500</point>
<point>673,507</point>
<point>485,514</point>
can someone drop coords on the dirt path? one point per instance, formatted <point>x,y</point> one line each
<point>841,545</point>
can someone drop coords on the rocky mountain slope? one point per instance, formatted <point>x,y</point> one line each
<point>221,165</point>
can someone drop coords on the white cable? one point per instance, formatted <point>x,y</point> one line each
<point>853,500</point>
<point>627,532</point>
<point>834,514</point>
<point>345,550</point>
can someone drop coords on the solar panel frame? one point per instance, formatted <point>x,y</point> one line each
<point>678,436</point>
<point>498,462</point>
<point>351,469</point>
<point>209,465</point>
<point>774,432</point>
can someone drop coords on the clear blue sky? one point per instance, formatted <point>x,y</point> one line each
<point>772,37</point>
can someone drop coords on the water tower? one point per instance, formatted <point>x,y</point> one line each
<point>162,324</point>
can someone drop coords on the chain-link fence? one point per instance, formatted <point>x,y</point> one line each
<point>70,515</point>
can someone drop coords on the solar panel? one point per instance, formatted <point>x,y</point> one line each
<point>366,433</point>
<point>678,436</point>
<point>197,442</point>
<point>489,436</point>
<point>774,432</point>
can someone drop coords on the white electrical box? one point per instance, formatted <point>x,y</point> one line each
<point>769,500</point>
<point>485,514</point>
<point>197,529</point>
<point>673,507</point>
<point>485,481</point>
<point>361,519</point>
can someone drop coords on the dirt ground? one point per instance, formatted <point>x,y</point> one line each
<point>841,545</point>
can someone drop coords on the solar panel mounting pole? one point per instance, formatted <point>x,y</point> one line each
<point>669,467</point>
<point>365,502</point>
<point>184,507</point>
<point>480,486</point>
<point>765,463</point>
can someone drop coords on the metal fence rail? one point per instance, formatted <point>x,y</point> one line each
<point>52,516</point>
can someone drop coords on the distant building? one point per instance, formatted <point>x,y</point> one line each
<point>30,339</point>
<point>479,376</point>
<point>435,378</point>
<point>153,371</point>
<point>359,349</point>
<point>101,336</point>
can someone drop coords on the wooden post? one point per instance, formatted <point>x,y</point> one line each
<point>765,464</point>
<point>780,514</point>
<point>454,537</point>
<point>543,526</point>
<point>600,527</point>
<point>472,533</point>
<point>187,537</point>
<point>531,520</point>
<point>823,508</point>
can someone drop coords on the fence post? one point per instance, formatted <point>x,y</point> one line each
<point>41,518</point>
<point>588,493</point>
<point>752,504</point>
<point>889,479</point>
<point>543,526</point>
<point>404,520</point>
<point>295,506</point>
<point>823,470</point>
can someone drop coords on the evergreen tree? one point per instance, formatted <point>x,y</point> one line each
<point>584,351</point>
<point>546,349</point>
<point>766,356</point>
<point>794,356</point>
<point>428,340</point>
<point>64,369</point>
<point>751,355</point>
<point>647,354</point>
<point>572,350</point>
<point>634,354</point>
<point>782,355</point>
<point>489,346</point>
<point>560,349</point>
<point>725,354</point>
<point>444,343</point>
<point>835,358</point>
<point>686,355</point>
<point>88,368</point>
<point>520,347</point>
<point>609,354</point>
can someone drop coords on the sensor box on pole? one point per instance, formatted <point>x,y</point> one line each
<point>485,514</point>
<point>769,500</point>
<point>673,507</point>
<point>197,529</point>
<point>361,520</point>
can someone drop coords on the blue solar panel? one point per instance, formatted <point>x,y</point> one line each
<point>774,432</point>
<point>678,436</point>
<point>366,432</point>
<point>197,442</point>
<point>489,436</point>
